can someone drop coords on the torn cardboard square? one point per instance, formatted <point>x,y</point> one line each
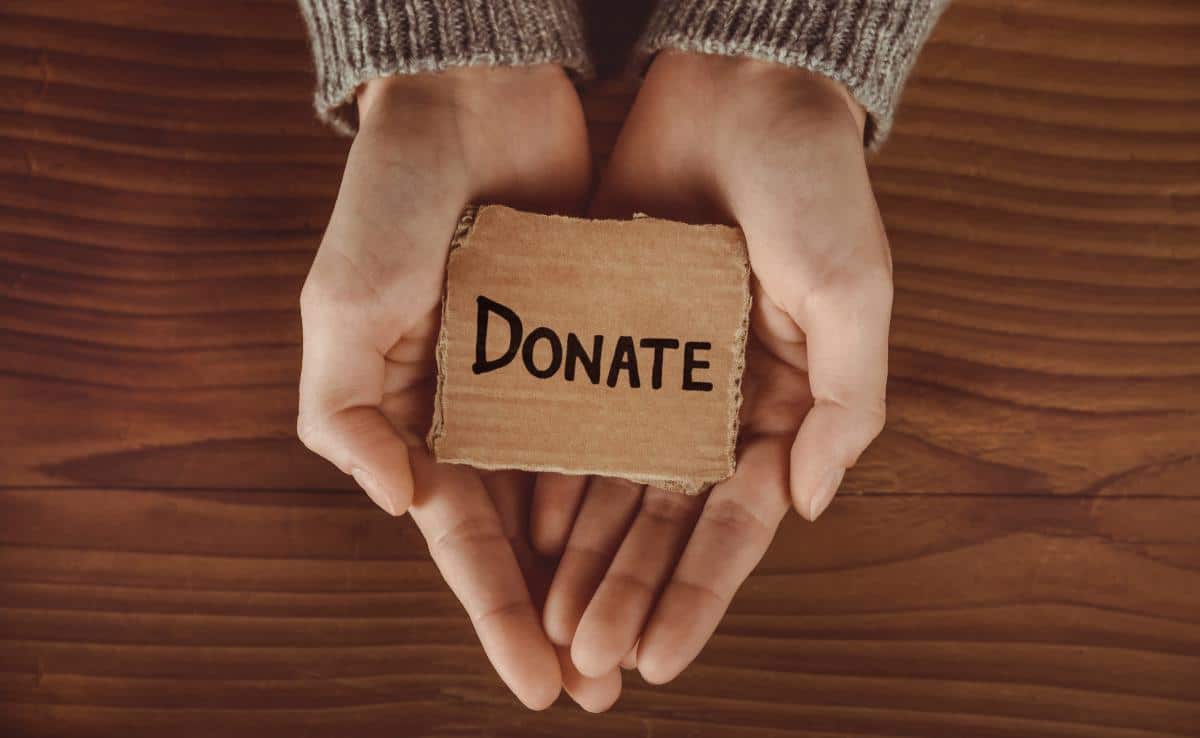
<point>592,347</point>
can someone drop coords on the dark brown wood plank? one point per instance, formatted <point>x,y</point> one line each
<point>980,616</point>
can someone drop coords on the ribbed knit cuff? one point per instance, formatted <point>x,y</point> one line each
<point>357,40</point>
<point>867,45</point>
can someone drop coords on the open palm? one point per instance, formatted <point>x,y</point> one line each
<point>428,145</point>
<point>645,575</point>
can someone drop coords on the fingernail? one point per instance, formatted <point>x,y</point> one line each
<point>367,481</point>
<point>825,492</point>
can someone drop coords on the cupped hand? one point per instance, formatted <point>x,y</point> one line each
<point>645,575</point>
<point>427,146</point>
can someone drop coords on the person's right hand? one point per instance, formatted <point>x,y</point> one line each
<point>371,308</point>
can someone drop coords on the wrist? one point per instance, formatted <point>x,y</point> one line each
<point>481,91</point>
<point>743,83</point>
<point>385,100</point>
<point>494,125</point>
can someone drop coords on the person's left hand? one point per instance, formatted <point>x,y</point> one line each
<point>645,575</point>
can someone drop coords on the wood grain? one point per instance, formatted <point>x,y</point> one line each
<point>989,616</point>
<point>1018,554</point>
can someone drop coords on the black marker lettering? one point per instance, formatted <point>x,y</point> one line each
<point>690,362</point>
<point>575,353</point>
<point>624,357</point>
<point>659,345</point>
<point>486,306</point>
<point>538,334</point>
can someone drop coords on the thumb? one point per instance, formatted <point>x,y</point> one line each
<point>829,442</point>
<point>362,443</point>
<point>341,389</point>
<point>846,330</point>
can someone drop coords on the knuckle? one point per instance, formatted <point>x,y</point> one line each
<point>473,531</point>
<point>667,507</point>
<point>319,298</point>
<point>880,417</point>
<point>871,285</point>
<point>867,286</point>
<point>308,431</point>
<point>735,518</point>
<point>630,580</point>
<point>336,287</point>
<point>704,589</point>
<point>877,418</point>
<point>310,296</point>
<point>480,616</point>
<point>870,422</point>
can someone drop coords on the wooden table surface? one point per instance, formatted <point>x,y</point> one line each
<point>1018,555</point>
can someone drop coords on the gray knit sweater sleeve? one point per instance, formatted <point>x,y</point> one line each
<point>867,45</point>
<point>357,40</point>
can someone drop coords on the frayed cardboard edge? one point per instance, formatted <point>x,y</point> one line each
<point>674,484</point>
<point>692,486</point>
<point>437,428</point>
<point>738,367</point>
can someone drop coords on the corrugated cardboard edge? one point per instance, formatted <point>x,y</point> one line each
<point>460,239</point>
<point>738,367</point>
<point>437,428</point>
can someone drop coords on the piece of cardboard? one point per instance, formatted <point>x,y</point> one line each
<point>569,281</point>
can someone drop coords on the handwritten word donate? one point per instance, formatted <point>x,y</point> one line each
<point>575,356</point>
<point>606,347</point>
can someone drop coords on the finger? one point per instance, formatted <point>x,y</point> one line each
<point>594,694</point>
<point>556,500</point>
<point>467,542</point>
<point>614,618</point>
<point>341,388</point>
<point>510,491</point>
<point>730,537</point>
<point>629,660</point>
<point>608,507</point>
<point>847,337</point>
